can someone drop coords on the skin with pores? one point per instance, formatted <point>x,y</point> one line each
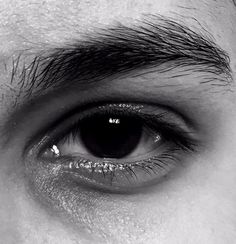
<point>194,204</point>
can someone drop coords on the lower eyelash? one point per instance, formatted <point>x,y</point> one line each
<point>157,165</point>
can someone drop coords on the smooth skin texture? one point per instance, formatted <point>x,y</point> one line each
<point>194,205</point>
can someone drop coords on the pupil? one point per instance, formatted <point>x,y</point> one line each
<point>110,137</point>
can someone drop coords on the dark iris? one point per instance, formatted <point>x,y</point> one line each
<point>110,137</point>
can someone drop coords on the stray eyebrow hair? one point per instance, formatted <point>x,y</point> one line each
<point>155,42</point>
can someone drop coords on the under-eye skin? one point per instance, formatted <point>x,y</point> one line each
<point>115,147</point>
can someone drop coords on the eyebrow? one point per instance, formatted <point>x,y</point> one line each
<point>155,41</point>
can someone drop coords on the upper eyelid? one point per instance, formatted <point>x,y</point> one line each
<point>67,112</point>
<point>49,103</point>
<point>163,116</point>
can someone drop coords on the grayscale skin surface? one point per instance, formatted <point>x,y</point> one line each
<point>193,204</point>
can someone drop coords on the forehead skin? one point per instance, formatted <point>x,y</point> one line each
<point>34,24</point>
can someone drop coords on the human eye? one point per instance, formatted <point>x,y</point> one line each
<point>115,147</point>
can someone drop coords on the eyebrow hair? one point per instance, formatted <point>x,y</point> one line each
<point>155,42</point>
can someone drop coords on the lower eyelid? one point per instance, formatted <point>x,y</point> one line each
<point>124,176</point>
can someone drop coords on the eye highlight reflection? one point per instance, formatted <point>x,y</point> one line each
<point>117,147</point>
